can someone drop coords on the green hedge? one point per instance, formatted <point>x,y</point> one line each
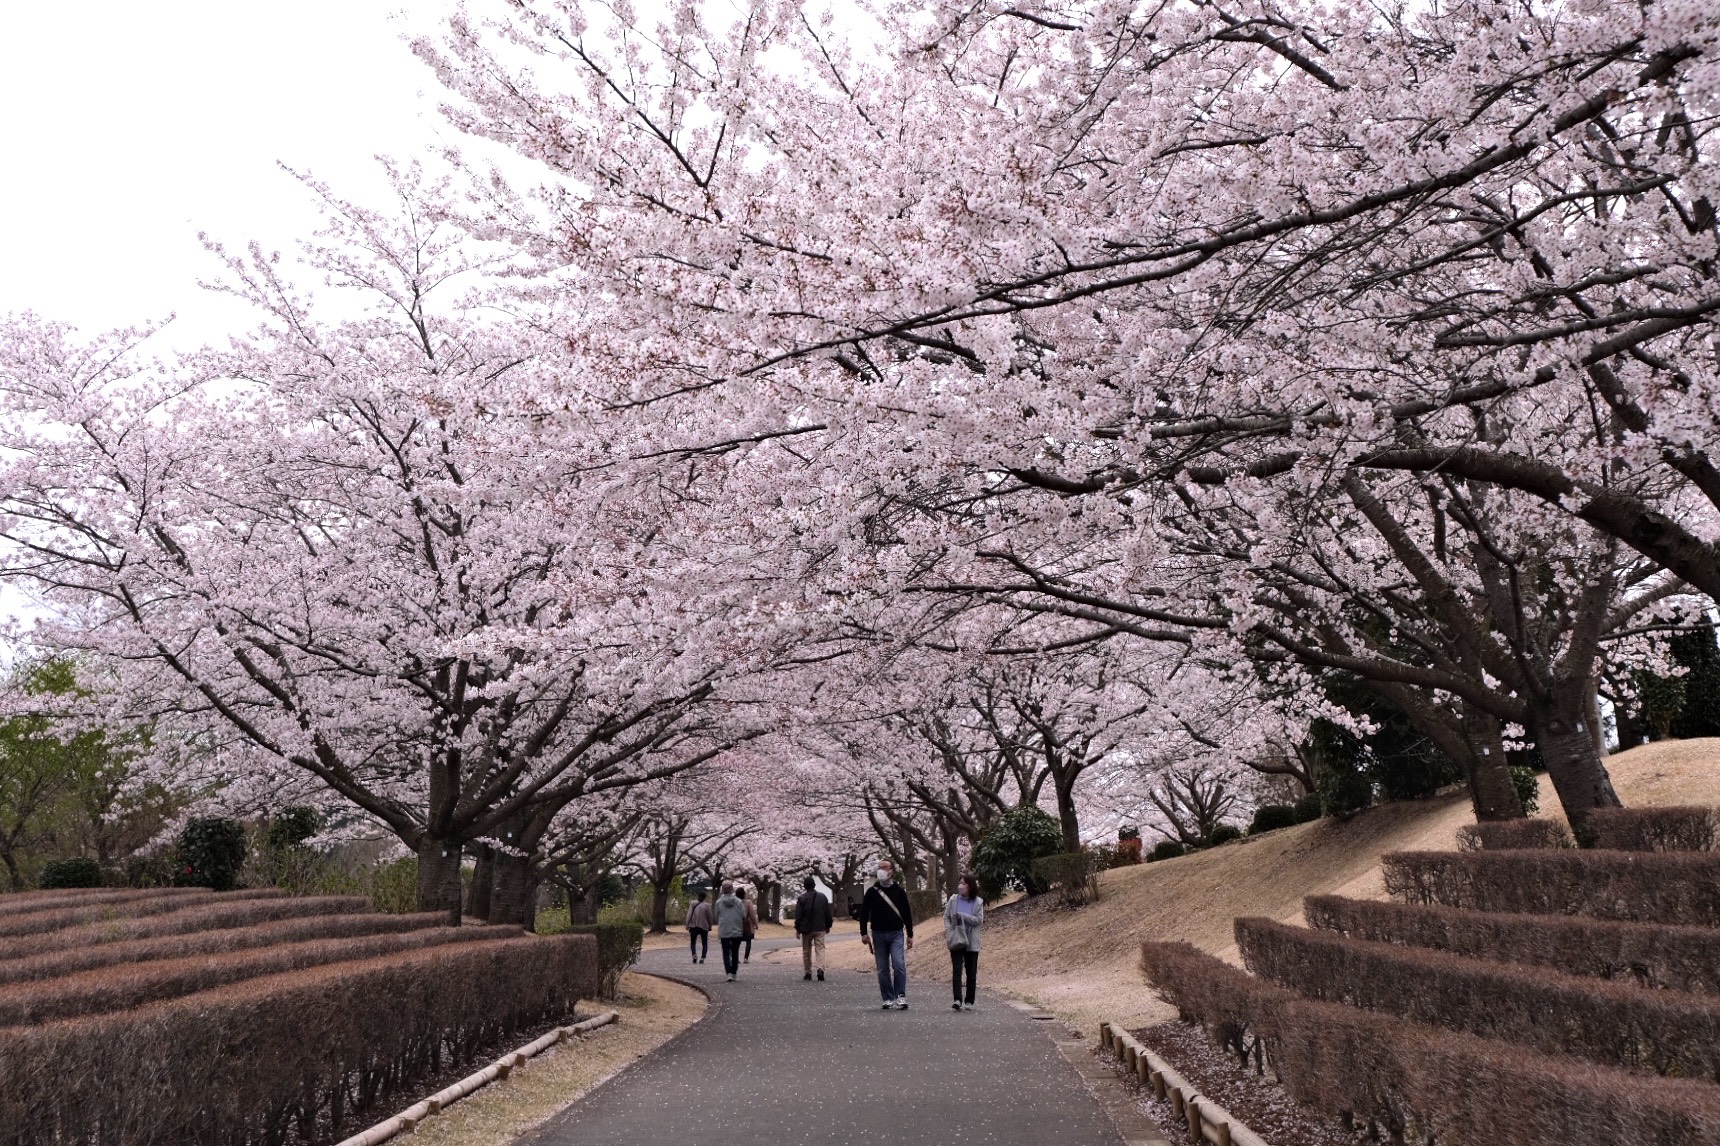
<point>618,946</point>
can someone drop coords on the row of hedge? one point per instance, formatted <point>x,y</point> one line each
<point>123,987</point>
<point>223,909</point>
<point>1421,1083</point>
<point>1647,887</point>
<point>30,902</point>
<point>298,1057</point>
<point>1615,1024</point>
<point>60,917</point>
<point>1658,955</point>
<point>88,957</point>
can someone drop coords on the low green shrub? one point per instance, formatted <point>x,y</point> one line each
<point>1223,834</point>
<point>618,946</point>
<point>1528,787</point>
<point>1271,817</point>
<point>1006,852</point>
<point>1164,850</point>
<point>77,871</point>
<point>1075,875</point>
<point>211,852</point>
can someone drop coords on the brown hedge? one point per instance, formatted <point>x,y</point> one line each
<point>1660,955</point>
<point>59,918</point>
<point>1670,829</point>
<point>19,902</point>
<point>1646,887</point>
<point>132,985</point>
<point>222,911</point>
<point>53,964</point>
<point>1430,1085</point>
<point>286,1059</point>
<point>1615,1024</point>
<point>1505,835</point>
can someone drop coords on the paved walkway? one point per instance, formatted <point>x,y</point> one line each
<point>782,1062</point>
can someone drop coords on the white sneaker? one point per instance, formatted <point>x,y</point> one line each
<point>889,1006</point>
<point>901,1004</point>
<point>967,1006</point>
<point>731,978</point>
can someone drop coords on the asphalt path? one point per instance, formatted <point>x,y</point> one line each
<point>781,1061</point>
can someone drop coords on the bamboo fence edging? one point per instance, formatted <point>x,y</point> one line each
<point>1207,1120</point>
<point>410,1117</point>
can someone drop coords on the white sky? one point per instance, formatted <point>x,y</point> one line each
<point>127,126</point>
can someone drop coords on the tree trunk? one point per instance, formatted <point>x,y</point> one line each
<point>1568,747</point>
<point>582,908</point>
<point>439,877</point>
<point>660,907</point>
<point>1067,817</point>
<point>1491,790</point>
<point>483,881</point>
<point>514,900</point>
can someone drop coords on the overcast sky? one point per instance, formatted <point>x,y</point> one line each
<point>126,127</point>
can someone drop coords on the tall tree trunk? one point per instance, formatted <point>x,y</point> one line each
<point>1559,724</point>
<point>1067,817</point>
<point>514,900</point>
<point>439,877</point>
<point>660,905</point>
<point>483,882</point>
<point>1491,790</point>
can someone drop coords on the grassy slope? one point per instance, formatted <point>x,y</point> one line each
<point>1081,964</point>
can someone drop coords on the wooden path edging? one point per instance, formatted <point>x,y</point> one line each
<point>410,1117</point>
<point>1207,1120</point>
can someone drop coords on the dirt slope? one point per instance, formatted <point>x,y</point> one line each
<point>1081,964</point>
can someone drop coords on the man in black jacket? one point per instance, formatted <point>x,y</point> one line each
<point>812,922</point>
<point>887,930</point>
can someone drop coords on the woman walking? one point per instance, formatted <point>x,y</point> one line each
<point>964,913</point>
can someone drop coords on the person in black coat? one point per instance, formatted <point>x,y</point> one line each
<point>887,930</point>
<point>812,922</point>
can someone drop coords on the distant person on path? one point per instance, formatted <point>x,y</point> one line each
<point>699,929</point>
<point>751,922</point>
<point>887,930</point>
<point>731,924</point>
<point>813,920</point>
<point>964,912</point>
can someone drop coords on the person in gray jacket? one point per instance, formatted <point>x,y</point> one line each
<point>964,913</point>
<point>731,928</point>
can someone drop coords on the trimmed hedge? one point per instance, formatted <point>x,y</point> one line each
<point>212,910</point>
<point>124,987</point>
<point>1075,875</point>
<point>1508,835</point>
<point>293,1058</point>
<point>1427,1083</point>
<point>52,964</point>
<point>1667,1032</point>
<point>22,902</point>
<point>1673,829</point>
<point>77,871</point>
<point>618,947</point>
<point>1645,887</point>
<point>1658,955</point>
<point>59,918</point>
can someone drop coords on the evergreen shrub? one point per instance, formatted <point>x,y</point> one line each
<point>78,871</point>
<point>618,947</point>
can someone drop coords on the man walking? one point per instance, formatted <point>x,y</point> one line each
<point>812,922</point>
<point>887,930</point>
<point>699,929</point>
<point>731,926</point>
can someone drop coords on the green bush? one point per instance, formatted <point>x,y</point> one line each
<point>1005,853</point>
<point>926,904</point>
<point>1075,875</point>
<point>78,871</point>
<point>1222,834</point>
<point>211,852</point>
<point>618,945</point>
<point>292,827</point>
<point>1308,808</point>
<point>1528,787</point>
<point>1165,850</point>
<point>1271,817</point>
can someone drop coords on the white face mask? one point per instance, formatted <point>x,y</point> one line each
<point>883,875</point>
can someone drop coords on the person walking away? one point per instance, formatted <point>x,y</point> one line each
<point>731,923</point>
<point>813,920</point>
<point>964,912</point>
<point>751,923</point>
<point>699,929</point>
<point>887,930</point>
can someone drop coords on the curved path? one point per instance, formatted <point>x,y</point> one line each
<point>783,1062</point>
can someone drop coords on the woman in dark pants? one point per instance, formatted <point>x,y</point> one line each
<point>964,912</point>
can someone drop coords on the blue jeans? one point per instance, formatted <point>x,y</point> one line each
<point>890,952</point>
